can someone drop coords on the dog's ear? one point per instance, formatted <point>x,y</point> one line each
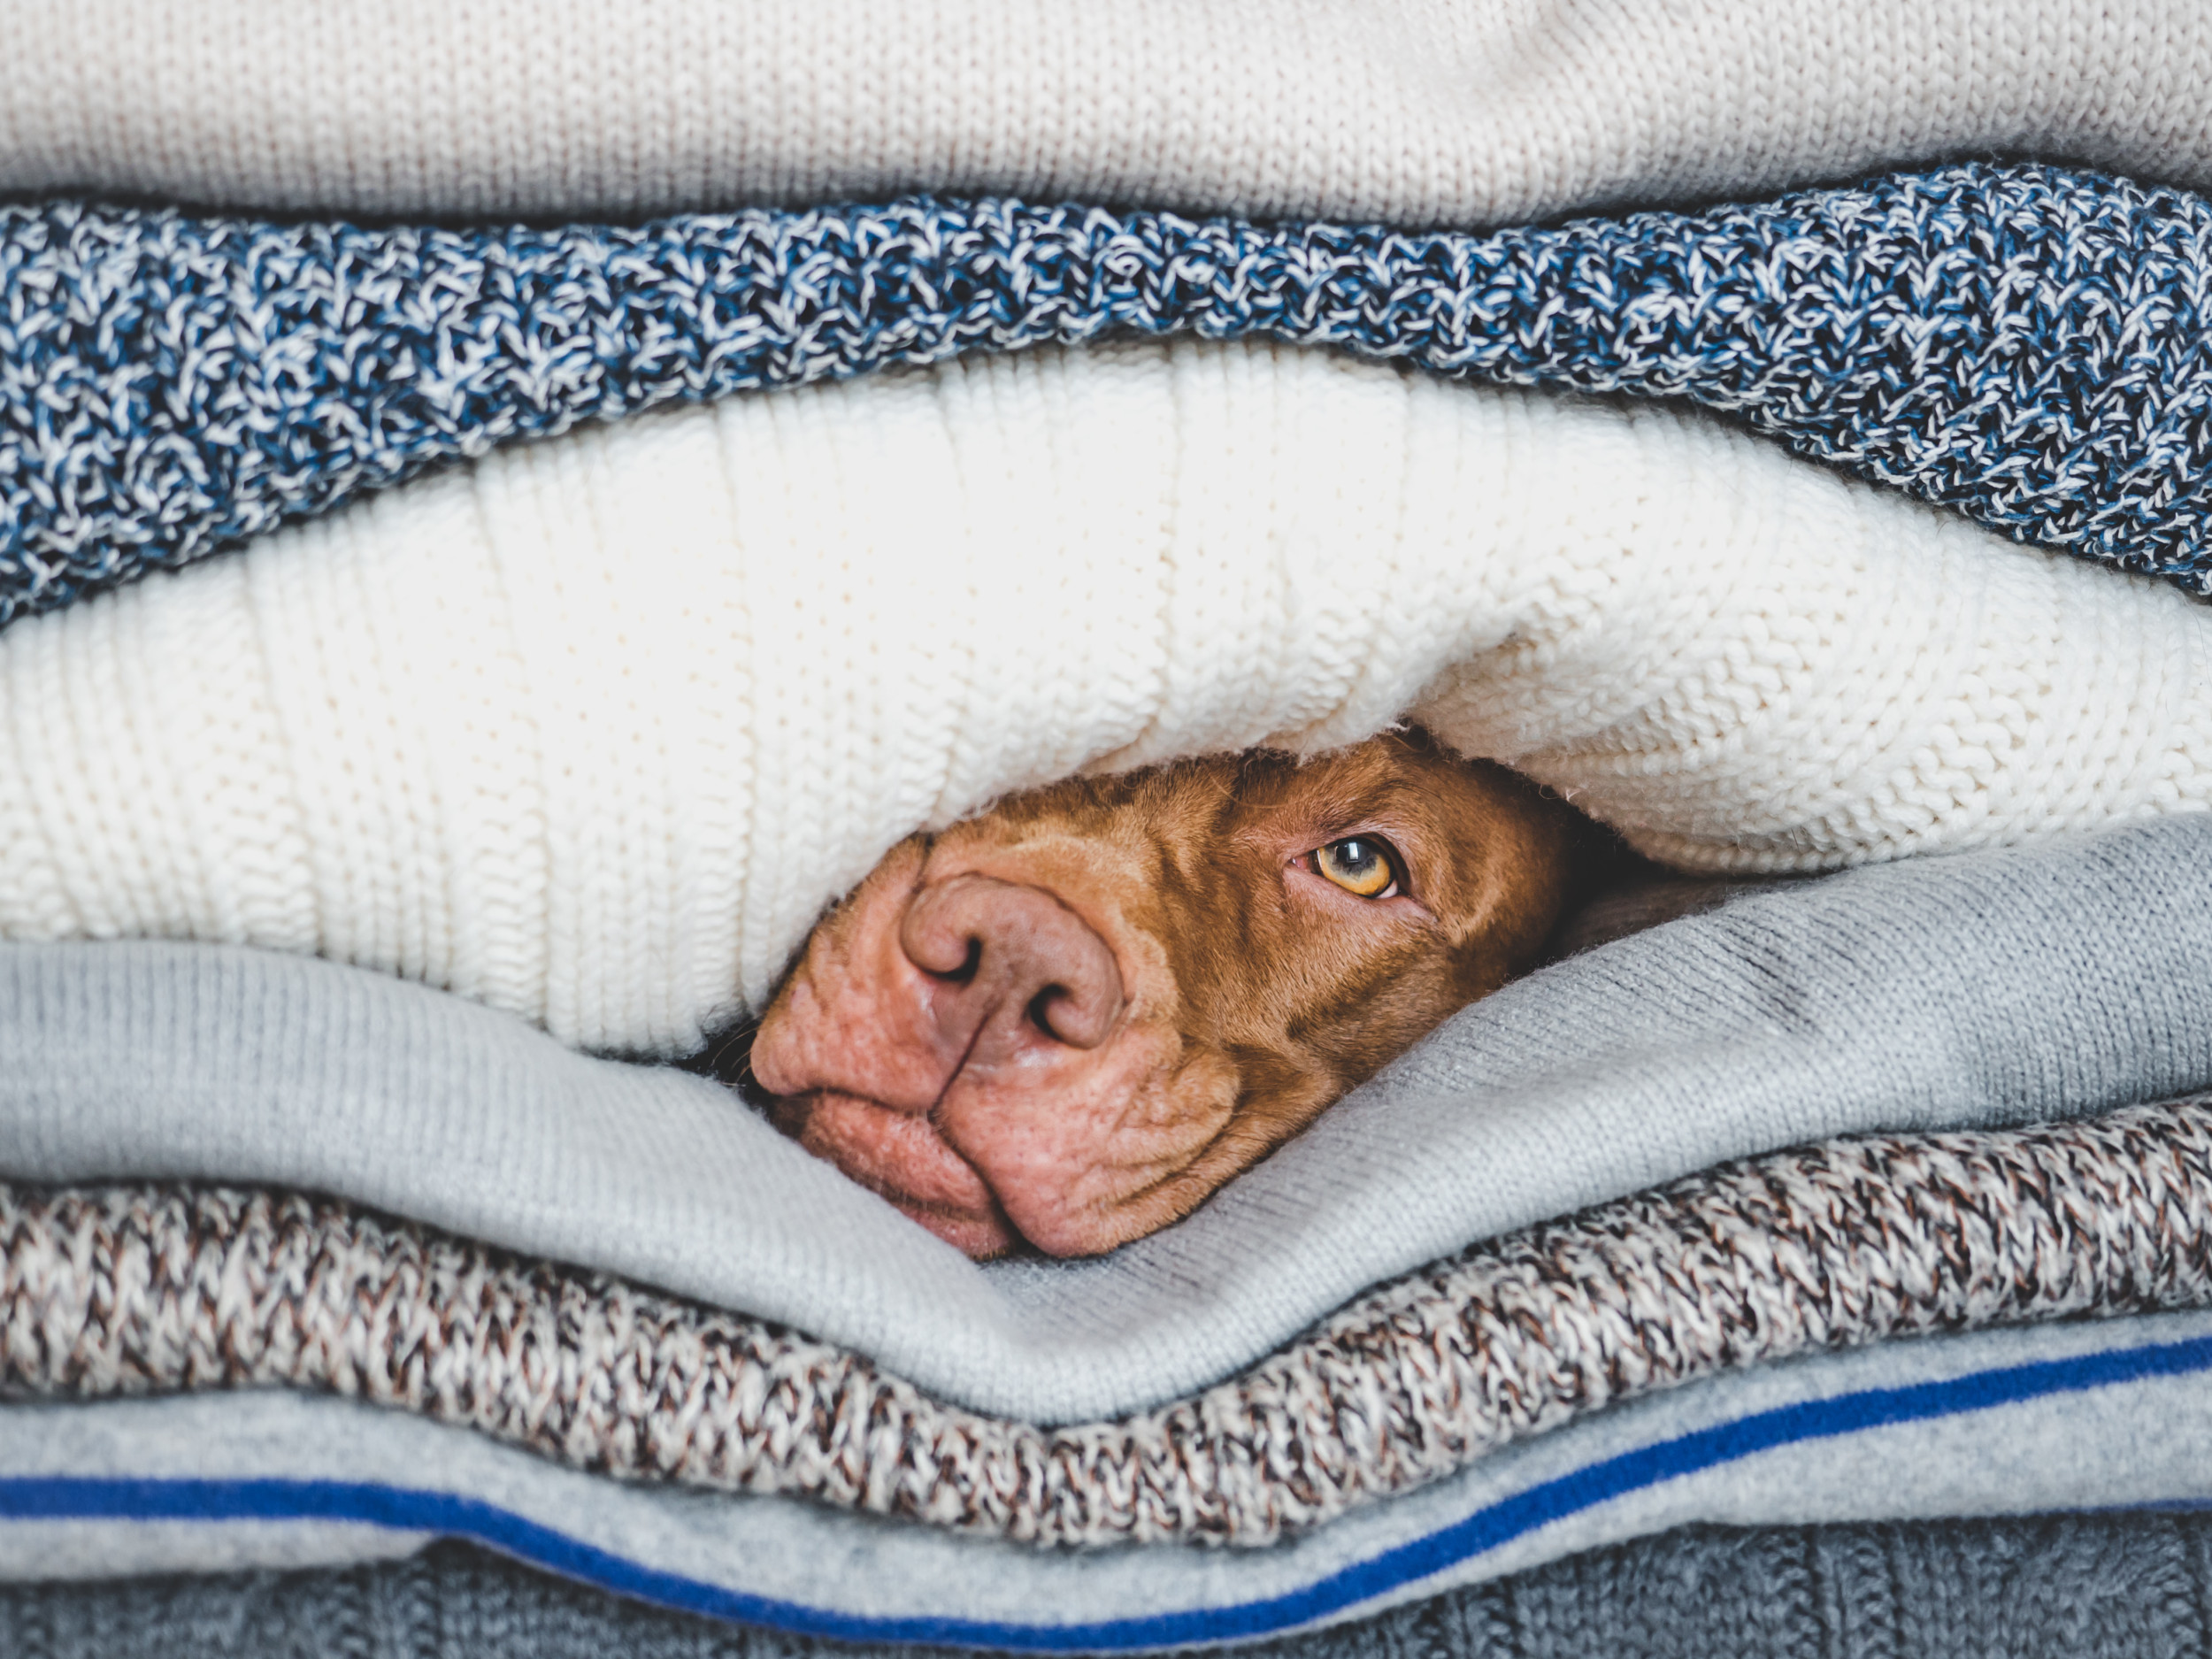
<point>1522,860</point>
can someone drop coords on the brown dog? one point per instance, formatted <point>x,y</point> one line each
<point>1065,1022</point>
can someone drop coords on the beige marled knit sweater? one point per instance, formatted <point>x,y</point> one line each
<point>1416,111</point>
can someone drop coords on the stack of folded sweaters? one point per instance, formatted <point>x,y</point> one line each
<point>493,540</point>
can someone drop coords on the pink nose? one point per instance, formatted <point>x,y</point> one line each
<point>1010,969</point>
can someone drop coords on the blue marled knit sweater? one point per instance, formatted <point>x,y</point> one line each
<point>2025,344</point>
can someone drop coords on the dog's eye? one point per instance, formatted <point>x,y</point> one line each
<point>1366,865</point>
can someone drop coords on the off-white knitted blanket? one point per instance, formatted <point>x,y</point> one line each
<point>1415,111</point>
<point>592,729</point>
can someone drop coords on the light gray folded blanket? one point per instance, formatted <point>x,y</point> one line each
<point>1983,989</point>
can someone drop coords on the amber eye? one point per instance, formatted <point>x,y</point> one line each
<point>1362,865</point>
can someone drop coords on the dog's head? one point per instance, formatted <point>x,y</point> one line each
<point>1065,1022</point>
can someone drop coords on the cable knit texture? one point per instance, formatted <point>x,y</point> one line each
<point>593,730</point>
<point>2027,346</point>
<point>128,1290</point>
<point>1478,111</point>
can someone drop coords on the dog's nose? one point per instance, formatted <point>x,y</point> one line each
<point>1008,967</point>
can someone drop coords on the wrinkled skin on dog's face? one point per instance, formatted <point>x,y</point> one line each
<point>1065,1023</point>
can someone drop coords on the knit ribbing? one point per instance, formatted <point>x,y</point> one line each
<point>594,729</point>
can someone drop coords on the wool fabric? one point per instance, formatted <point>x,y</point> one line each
<point>1409,111</point>
<point>2111,1415</point>
<point>2025,345</point>
<point>1982,991</point>
<point>124,1291</point>
<point>593,730</point>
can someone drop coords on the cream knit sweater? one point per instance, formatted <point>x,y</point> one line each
<point>592,729</point>
<point>1416,111</point>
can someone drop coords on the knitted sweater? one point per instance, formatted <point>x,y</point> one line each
<point>1408,111</point>
<point>592,729</point>
<point>2027,346</point>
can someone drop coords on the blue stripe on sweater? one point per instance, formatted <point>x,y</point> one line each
<point>65,1498</point>
<point>2027,345</point>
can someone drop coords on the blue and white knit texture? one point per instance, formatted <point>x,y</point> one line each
<point>2026,345</point>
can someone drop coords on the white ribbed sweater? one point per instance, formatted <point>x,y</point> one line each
<point>592,729</point>
<point>1416,111</point>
